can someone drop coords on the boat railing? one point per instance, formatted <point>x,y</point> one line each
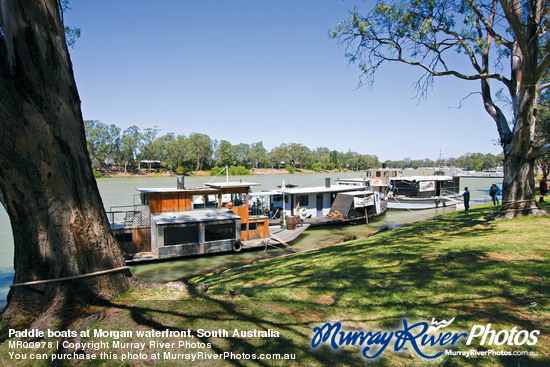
<point>128,217</point>
<point>258,211</point>
<point>451,193</point>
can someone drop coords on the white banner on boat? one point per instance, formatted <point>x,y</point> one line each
<point>426,186</point>
<point>361,202</point>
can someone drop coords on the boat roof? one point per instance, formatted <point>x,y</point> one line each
<point>266,193</point>
<point>205,190</point>
<point>209,187</point>
<point>194,216</point>
<point>220,185</point>
<point>356,179</point>
<point>356,193</point>
<point>320,189</point>
<point>422,178</point>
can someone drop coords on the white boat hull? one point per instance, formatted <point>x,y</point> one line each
<point>420,203</point>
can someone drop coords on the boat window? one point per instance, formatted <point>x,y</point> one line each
<point>144,198</point>
<point>303,200</point>
<point>123,237</point>
<point>280,198</point>
<point>378,174</point>
<point>219,231</point>
<point>211,201</point>
<point>180,235</point>
<point>238,199</point>
<point>198,201</point>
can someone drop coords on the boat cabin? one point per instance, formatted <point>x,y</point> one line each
<point>359,204</point>
<point>422,186</point>
<point>172,222</point>
<point>310,202</point>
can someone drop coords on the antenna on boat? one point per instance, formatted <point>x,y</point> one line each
<point>226,169</point>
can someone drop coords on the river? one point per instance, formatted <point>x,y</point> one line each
<point>122,191</point>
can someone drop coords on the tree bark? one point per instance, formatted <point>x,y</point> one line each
<point>59,225</point>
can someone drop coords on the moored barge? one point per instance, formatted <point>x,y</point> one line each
<point>177,222</point>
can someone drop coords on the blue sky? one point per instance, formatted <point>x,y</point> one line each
<point>248,71</point>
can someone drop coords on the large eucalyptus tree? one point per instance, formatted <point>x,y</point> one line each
<point>59,225</point>
<point>505,43</point>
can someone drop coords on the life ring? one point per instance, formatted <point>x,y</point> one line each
<point>237,246</point>
<point>229,205</point>
<point>303,212</point>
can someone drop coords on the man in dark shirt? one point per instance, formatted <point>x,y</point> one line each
<point>543,187</point>
<point>466,195</point>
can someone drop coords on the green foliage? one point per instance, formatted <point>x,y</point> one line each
<point>97,174</point>
<point>71,35</point>
<point>233,170</point>
<point>238,171</point>
<point>201,148</point>
<point>290,169</point>
<point>109,145</point>
<point>214,171</point>
<point>180,170</point>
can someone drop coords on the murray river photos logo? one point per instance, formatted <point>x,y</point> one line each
<point>417,336</point>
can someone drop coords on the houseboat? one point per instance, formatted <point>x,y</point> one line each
<point>348,200</point>
<point>177,222</point>
<point>422,192</point>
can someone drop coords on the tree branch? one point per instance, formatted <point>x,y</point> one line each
<point>542,87</point>
<point>514,20</point>
<point>468,49</point>
<point>543,65</point>
<point>495,112</point>
<point>488,25</point>
<point>452,72</point>
<point>541,151</point>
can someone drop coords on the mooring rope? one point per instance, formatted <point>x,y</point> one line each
<point>70,278</point>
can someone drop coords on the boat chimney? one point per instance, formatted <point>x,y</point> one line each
<point>327,182</point>
<point>181,182</point>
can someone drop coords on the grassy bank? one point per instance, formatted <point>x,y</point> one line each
<point>459,265</point>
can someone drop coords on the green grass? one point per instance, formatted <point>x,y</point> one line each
<point>462,265</point>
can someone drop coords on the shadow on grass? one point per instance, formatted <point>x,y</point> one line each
<point>433,269</point>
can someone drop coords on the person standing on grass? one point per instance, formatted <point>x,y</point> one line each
<point>466,195</point>
<point>543,188</point>
<point>494,191</point>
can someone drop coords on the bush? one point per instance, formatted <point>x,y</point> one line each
<point>215,170</point>
<point>316,167</point>
<point>233,171</point>
<point>97,174</point>
<point>290,169</point>
<point>238,171</point>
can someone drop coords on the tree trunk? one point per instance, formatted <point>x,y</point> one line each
<point>59,225</point>
<point>518,188</point>
<point>519,182</point>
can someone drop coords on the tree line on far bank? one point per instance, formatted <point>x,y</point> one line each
<point>109,146</point>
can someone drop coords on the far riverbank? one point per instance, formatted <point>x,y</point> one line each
<point>254,171</point>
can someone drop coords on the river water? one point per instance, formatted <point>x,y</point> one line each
<point>122,191</point>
